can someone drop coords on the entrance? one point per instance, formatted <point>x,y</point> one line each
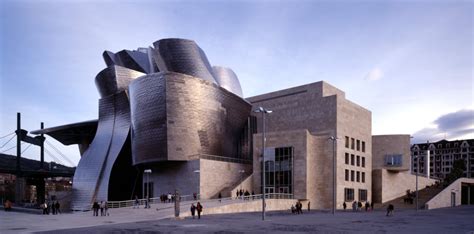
<point>453,199</point>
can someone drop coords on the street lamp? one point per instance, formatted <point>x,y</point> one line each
<point>199,186</point>
<point>147,172</point>
<point>416,176</point>
<point>263,111</point>
<point>333,139</point>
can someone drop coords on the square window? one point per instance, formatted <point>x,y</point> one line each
<point>362,195</point>
<point>348,194</point>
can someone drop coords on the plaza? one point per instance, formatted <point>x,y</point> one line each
<point>128,220</point>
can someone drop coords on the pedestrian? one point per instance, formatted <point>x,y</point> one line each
<point>58,211</point>
<point>344,205</point>
<point>359,206</point>
<point>354,206</point>
<point>367,206</point>
<point>95,208</point>
<point>106,208</point>
<point>53,208</point>
<point>309,206</point>
<point>8,205</point>
<point>372,206</point>
<point>136,204</point>
<point>49,207</point>
<point>44,206</point>
<point>193,210</point>
<point>253,195</point>
<point>390,209</point>
<point>293,210</point>
<point>237,194</point>
<point>199,209</point>
<point>169,197</point>
<point>220,197</point>
<point>102,206</point>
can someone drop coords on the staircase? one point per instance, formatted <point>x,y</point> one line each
<point>424,195</point>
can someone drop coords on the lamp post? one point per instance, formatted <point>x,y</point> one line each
<point>147,172</point>
<point>198,185</point>
<point>416,183</point>
<point>333,139</point>
<point>263,111</point>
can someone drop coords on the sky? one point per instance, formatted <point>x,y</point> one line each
<point>409,62</point>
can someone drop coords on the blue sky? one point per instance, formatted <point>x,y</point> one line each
<point>409,62</point>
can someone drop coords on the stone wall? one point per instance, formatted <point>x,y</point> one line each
<point>251,206</point>
<point>443,199</point>
<point>390,144</point>
<point>388,185</point>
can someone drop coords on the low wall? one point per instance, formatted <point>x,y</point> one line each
<point>390,185</point>
<point>443,199</point>
<point>249,206</point>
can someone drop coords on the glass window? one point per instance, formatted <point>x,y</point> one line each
<point>352,159</point>
<point>358,176</point>
<point>279,171</point>
<point>352,143</point>
<point>348,194</point>
<point>363,177</point>
<point>347,175</point>
<point>352,175</point>
<point>347,158</point>
<point>347,142</point>
<point>358,160</point>
<point>393,160</point>
<point>363,146</point>
<point>363,161</point>
<point>362,195</point>
<point>358,145</point>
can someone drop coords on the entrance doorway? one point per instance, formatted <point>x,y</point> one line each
<point>453,199</point>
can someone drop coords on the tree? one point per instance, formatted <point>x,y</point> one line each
<point>457,171</point>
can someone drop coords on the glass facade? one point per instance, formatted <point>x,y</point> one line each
<point>279,171</point>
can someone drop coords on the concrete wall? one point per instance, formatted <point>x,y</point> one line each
<point>250,206</point>
<point>388,185</point>
<point>443,199</point>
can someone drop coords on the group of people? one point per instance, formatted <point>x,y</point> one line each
<point>298,208</point>
<point>53,207</point>
<point>246,195</point>
<point>358,205</point>
<point>164,198</point>
<point>196,208</point>
<point>102,206</point>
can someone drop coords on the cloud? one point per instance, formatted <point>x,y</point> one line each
<point>451,126</point>
<point>374,74</point>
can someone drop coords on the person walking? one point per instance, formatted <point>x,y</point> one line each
<point>193,210</point>
<point>102,206</point>
<point>367,206</point>
<point>53,208</point>
<point>344,205</point>
<point>220,197</point>
<point>309,206</point>
<point>95,208</point>
<point>199,209</point>
<point>106,208</point>
<point>354,206</point>
<point>136,204</point>
<point>359,206</point>
<point>390,209</point>
<point>58,211</point>
<point>169,197</point>
<point>45,208</point>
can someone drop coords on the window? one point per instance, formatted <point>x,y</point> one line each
<point>358,176</point>
<point>363,177</point>
<point>348,194</point>
<point>362,195</point>
<point>358,160</point>
<point>352,159</point>
<point>347,158</point>
<point>347,142</point>
<point>352,175</point>
<point>347,175</point>
<point>393,160</point>
<point>352,143</point>
<point>358,145</point>
<point>363,161</point>
<point>363,146</point>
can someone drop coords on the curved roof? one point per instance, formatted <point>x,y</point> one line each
<point>69,134</point>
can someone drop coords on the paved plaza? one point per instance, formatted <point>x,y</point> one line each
<point>447,220</point>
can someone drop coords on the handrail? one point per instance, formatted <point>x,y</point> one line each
<point>188,199</point>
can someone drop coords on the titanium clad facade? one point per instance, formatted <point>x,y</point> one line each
<point>182,56</point>
<point>184,117</point>
<point>227,79</point>
<point>114,79</point>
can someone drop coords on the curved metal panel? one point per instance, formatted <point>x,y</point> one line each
<point>86,177</point>
<point>135,60</point>
<point>114,79</point>
<point>120,133</point>
<point>182,56</point>
<point>176,117</point>
<point>148,118</point>
<point>227,79</point>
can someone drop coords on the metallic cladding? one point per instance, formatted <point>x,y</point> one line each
<point>227,79</point>
<point>182,56</point>
<point>114,79</point>
<point>176,116</point>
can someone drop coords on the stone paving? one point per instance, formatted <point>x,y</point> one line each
<point>447,220</point>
